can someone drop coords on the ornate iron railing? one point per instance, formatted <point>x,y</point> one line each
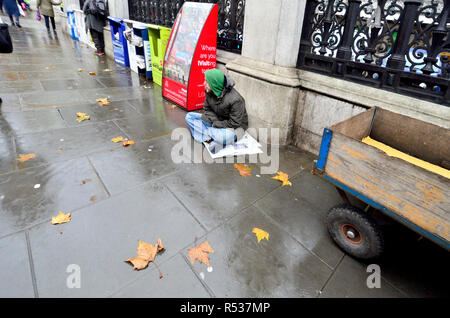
<point>401,46</point>
<point>163,12</point>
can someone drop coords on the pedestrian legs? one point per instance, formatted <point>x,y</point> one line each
<point>99,40</point>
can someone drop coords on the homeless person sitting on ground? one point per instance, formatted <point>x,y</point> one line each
<point>225,118</point>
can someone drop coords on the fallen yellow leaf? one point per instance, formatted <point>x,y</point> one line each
<point>103,101</point>
<point>107,70</point>
<point>80,70</point>
<point>61,218</point>
<point>173,106</point>
<point>26,157</point>
<point>243,170</point>
<point>117,139</point>
<point>82,116</point>
<point>283,177</point>
<point>260,234</point>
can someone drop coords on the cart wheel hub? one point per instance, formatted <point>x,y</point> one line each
<point>351,233</point>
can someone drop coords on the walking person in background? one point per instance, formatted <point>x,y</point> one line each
<point>46,9</point>
<point>13,11</point>
<point>96,12</point>
<point>1,6</point>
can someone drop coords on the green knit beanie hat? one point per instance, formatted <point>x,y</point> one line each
<point>216,80</point>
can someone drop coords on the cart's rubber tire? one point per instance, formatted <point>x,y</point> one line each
<point>355,232</point>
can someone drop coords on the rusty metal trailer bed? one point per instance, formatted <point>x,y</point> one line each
<point>409,194</point>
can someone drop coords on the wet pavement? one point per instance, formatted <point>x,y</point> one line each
<point>119,195</point>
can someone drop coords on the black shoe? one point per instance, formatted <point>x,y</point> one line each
<point>18,25</point>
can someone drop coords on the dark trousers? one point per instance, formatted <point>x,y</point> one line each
<point>98,39</point>
<point>47,24</point>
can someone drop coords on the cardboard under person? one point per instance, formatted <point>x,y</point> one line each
<point>225,120</point>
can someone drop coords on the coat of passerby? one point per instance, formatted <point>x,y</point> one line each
<point>13,11</point>
<point>1,6</point>
<point>96,12</point>
<point>46,9</point>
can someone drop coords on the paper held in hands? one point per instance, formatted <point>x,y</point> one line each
<point>247,145</point>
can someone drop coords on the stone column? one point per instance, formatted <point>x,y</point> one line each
<point>265,73</point>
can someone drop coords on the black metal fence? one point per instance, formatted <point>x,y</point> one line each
<point>163,12</point>
<point>400,46</point>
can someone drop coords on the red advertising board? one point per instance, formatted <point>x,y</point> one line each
<point>191,51</point>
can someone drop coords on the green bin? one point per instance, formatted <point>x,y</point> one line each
<point>158,37</point>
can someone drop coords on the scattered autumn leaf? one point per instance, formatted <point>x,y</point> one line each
<point>243,170</point>
<point>146,253</point>
<point>93,198</point>
<point>82,117</point>
<point>173,106</point>
<point>283,177</point>
<point>200,253</point>
<point>80,70</point>
<point>69,87</point>
<point>61,218</point>
<point>85,181</point>
<point>116,108</point>
<point>103,101</point>
<point>59,149</point>
<point>107,70</point>
<point>126,143</point>
<point>117,139</point>
<point>92,73</point>
<point>260,234</point>
<point>26,157</point>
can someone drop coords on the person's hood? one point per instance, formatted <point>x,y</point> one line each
<point>228,85</point>
<point>216,81</point>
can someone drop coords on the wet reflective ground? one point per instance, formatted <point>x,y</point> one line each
<point>119,195</point>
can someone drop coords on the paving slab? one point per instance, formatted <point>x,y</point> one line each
<point>144,127</point>
<point>116,93</point>
<point>7,154</point>
<point>242,267</point>
<point>61,188</point>
<point>53,99</point>
<point>116,110</point>
<point>302,220</point>
<point>322,194</point>
<point>123,168</point>
<point>15,273</point>
<point>99,239</point>
<point>17,123</point>
<point>178,281</point>
<point>67,143</point>
<point>350,280</point>
<point>10,87</point>
<point>216,192</point>
<point>70,84</point>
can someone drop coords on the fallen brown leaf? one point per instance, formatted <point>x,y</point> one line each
<point>200,253</point>
<point>92,73</point>
<point>145,253</point>
<point>85,181</point>
<point>126,143</point>
<point>93,198</point>
<point>243,170</point>
<point>26,157</point>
